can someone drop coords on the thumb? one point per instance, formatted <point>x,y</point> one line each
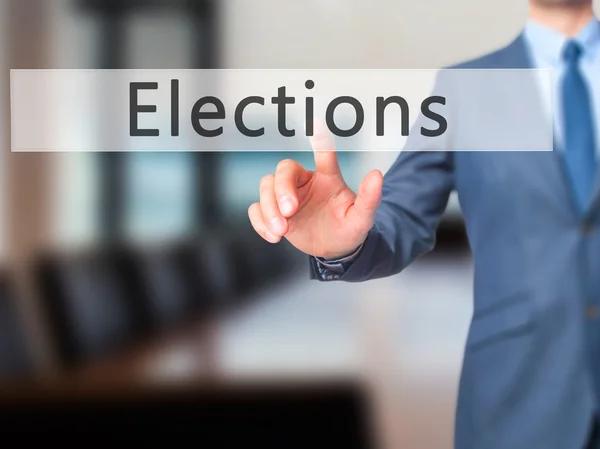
<point>368,199</point>
<point>323,145</point>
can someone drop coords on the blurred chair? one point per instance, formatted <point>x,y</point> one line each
<point>158,286</point>
<point>177,282</point>
<point>16,360</point>
<point>267,263</point>
<point>223,267</point>
<point>87,303</point>
<point>236,263</point>
<point>209,271</point>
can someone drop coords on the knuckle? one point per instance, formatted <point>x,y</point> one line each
<point>266,182</point>
<point>285,165</point>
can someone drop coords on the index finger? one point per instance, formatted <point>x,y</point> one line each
<point>323,145</point>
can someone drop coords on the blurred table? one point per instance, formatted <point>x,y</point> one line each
<point>400,339</point>
<point>253,374</point>
<point>292,334</point>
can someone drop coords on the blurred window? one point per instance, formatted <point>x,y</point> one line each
<point>159,195</point>
<point>74,45</point>
<point>159,190</point>
<point>159,187</point>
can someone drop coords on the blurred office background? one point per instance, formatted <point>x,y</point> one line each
<point>139,272</point>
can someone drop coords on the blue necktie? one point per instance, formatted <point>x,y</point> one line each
<point>578,123</point>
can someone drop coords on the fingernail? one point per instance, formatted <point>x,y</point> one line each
<point>271,238</point>
<point>278,226</point>
<point>286,205</point>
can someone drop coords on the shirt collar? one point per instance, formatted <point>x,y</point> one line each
<point>547,44</point>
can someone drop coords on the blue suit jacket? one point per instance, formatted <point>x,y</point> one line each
<point>527,380</point>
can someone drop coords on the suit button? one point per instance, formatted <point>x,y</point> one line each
<point>587,228</point>
<point>592,312</point>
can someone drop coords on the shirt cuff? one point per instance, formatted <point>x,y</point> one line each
<point>333,269</point>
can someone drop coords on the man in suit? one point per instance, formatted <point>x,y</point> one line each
<point>531,369</point>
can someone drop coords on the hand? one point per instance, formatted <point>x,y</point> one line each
<point>316,211</point>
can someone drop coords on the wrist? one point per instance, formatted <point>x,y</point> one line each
<point>341,256</point>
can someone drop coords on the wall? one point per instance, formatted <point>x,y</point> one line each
<point>365,34</point>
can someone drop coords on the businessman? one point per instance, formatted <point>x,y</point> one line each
<point>531,369</point>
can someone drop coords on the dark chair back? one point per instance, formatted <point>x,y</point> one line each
<point>264,263</point>
<point>219,268</point>
<point>87,304</point>
<point>208,271</point>
<point>157,283</point>
<point>16,359</point>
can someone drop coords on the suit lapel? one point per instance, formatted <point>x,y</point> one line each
<point>594,207</point>
<point>549,166</point>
